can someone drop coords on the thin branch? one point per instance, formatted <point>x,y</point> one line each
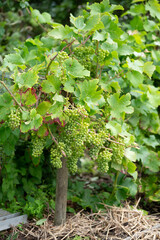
<point>118,75</point>
<point>110,140</point>
<point>114,186</point>
<point>67,46</point>
<point>39,95</point>
<point>132,146</point>
<point>97,59</point>
<point>101,68</point>
<point>11,95</point>
<point>56,142</point>
<point>86,40</point>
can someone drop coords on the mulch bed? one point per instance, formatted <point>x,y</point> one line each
<point>115,223</point>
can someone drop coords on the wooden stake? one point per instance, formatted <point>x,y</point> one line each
<point>61,194</point>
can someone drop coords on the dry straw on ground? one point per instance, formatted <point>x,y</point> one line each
<point>113,224</point>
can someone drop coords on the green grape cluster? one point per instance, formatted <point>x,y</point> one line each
<point>37,145</point>
<point>101,56</point>
<point>56,156</point>
<point>71,139</point>
<point>62,56</point>
<point>103,158</point>
<point>14,119</point>
<point>94,151</point>
<point>79,134</point>
<point>97,138</point>
<point>83,54</point>
<point>76,131</point>
<point>63,75</point>
<point>118,150</point>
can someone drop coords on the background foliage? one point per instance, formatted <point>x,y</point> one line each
<point>133,67</point>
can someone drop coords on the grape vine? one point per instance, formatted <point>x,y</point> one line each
<point>79,135</point>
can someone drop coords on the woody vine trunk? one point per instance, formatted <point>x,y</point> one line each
<point>61,194</point>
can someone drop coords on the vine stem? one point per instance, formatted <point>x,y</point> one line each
<point>110,140</point>
<point>114,186</point>
<point>11,95</point>
<point>85,40</point>
<point>121,74</point>
<point>67,46</point>
<point>54,139</point>
<point>97,45</point>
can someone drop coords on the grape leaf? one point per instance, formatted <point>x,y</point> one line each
<point>131,167</point>
<point>153,7</point>
<point>124,49</point>
<point>136,65</point>
<point>149,68</point>
<point>94,23</point>
<point>151,141</point>
<point>61,32</point>
<point>58,98</point>
<point>131,155</point>
<point>114,30</point>
<point>14,58</point>
<point>30,98</point>
<point>120,105</point>
<point>75,69</point>
<point>42,131</point>
<point>104,7</point>
<point>43,107</point>
<point>26,79</point>
<point>56,109</point>
<point>52,84</point>
<point>4,133</point>
<point>114,127</point>
<point>135,78</point>
<point>88,91</point>
<point>99,36</point>
<point>42,18</point>
<point>78,22</point>
<point>131,185</point>
<point>33,113</point>
<point>154,96</point>
<point>34,123</point>
<point>69,85</point>
<point>6,100</point>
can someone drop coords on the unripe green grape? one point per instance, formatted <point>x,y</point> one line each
<point>83,54</point>
<point>103,158</point>
<point>62,56</point>
<point>61,146</point>
<point>93,152</point>
<point>63,79</point>
<point>14,119</point>
<point>118,150</point>
<point>72,164</point>
<point>101,55</point>
<point>56,156</point>
<point>63,75</point>
<point>37,146</point>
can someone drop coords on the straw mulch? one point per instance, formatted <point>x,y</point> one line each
<point>113,224</point>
